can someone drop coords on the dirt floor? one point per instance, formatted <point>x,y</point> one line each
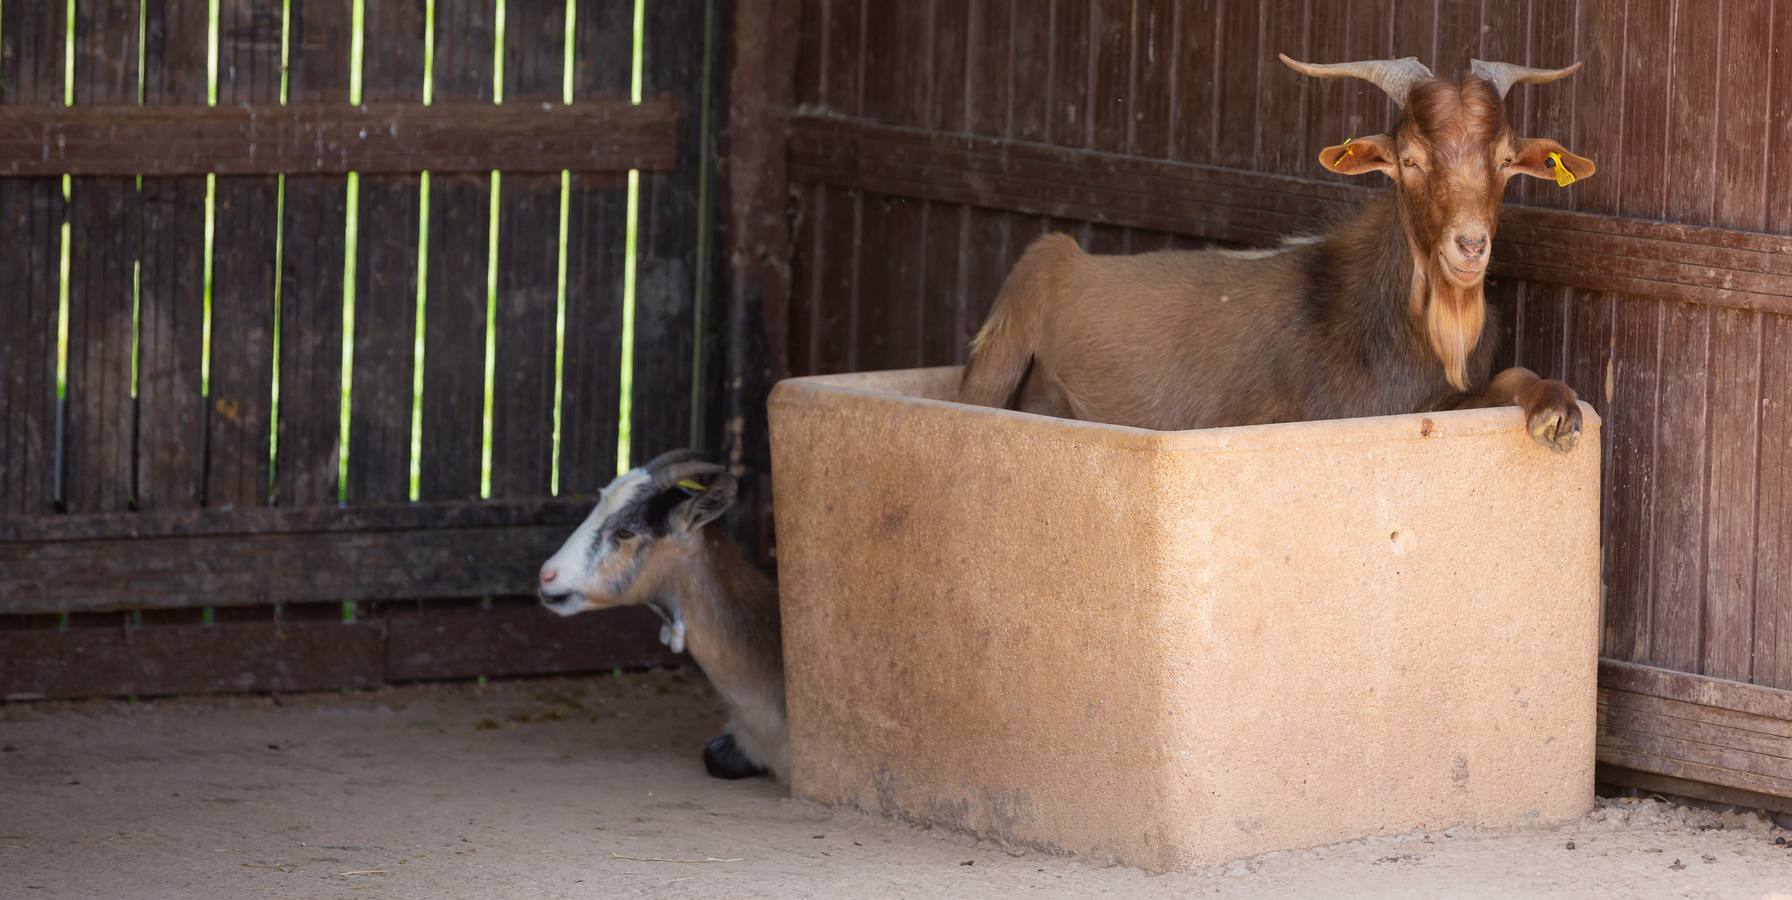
<point>593,788</point>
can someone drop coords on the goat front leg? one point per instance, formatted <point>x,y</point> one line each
<point>1551,408</point>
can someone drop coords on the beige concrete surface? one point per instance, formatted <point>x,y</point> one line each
<point>592,788</point>
<point>1173,649</point>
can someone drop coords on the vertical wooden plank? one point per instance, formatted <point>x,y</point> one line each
<point>307,467</point>
<point>1237,87</point>
<point>1155,111</point>
<point>835,218</point>
<point>1458,38</point>
<point>1196,80</point>
<point>887,330</point>
<point>1112,66</point>
<point>1547,38</point>
<point>1368,35</point>
<point>1741,201</point>
<point>1327,101</point>
<point>243,275</point>
<point>528,268</point>
<point>171,433</point>
<point>1681,434</point>
<point>1773,501</point>
<point>993,43</point>
<point>104,218</point>
<point>1636,327</point>
<point>1682,424</point>
<point>30,241</point>
<point>382,382</point>
<point>1601,43</point>
<point>1414,24</point>
<point>596,235</point>
<point>675,209</point>
<point>1072,60</point>
<point>1773,562</point>
<point>1643,29</point>
<point>459,234</point>
<point>1284,96</point>
<point>942,279</point>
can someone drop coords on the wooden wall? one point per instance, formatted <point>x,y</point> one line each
<point>217,408</point>
<point>928,142</point>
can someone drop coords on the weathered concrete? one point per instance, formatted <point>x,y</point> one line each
<point>1170,649</point>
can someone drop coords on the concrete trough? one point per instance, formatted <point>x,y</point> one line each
<point>1171,649</point>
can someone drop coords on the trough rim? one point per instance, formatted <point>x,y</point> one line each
<point>1391,429</point>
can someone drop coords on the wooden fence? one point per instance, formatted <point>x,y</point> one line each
<point>318,312</point>
<point>926,143</point>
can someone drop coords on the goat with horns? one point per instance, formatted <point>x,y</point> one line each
<point>1382,314</point>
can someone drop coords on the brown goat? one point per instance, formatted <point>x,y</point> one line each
<point>1382,314</point>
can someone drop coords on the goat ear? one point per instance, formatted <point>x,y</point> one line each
<point>1359,156</point>
<point>706,507</point>
<point>1546,159</point>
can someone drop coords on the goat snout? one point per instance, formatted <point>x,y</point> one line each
<point>1472,245</point>
<point>549,574</point>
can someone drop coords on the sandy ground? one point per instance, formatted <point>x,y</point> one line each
<point>593,788</point>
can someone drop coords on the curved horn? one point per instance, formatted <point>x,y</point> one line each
<point>671,475</point>
<point>1395,76</point>
<point>670,457</point>
<point>1504,75</point>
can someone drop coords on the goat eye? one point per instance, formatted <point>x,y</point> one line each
<point>1410,163</point>
<point>623,534</point>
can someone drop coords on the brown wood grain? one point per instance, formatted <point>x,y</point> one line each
<point>603,135</point>
<point>459,250</point>
<point>31,211</point>
<point>236,569</point>
<point>382,382</point>
<point>675,264</point>
<point>519,639</point>
<point>106,213</point>
<point>240,406</point>
<point>528,269</point>
<point>1736,368</point>
<point>1707,265</point>
<point>171,403</point>
<point>1697,728</point>
<point>1773,511</point>
<point>596,234</point>
<point>190,659</point>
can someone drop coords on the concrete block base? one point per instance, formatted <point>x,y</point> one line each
<point>1174,649</point>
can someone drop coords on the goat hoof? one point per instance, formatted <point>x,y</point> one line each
<point>1555,422</point>
<point>722,758</point>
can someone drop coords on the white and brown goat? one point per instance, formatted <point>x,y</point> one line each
<point>652,541</point>
<point>1382,314</point>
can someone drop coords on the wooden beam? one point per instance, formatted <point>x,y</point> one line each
<point>1714,266</point>
<point>433,644</point>
<point>392,138</point>
<point>1695,729</point>
<point>190,659</point>
<point>252,557</point>
<point>761,84</point>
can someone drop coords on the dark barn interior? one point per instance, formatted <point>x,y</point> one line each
<point>322,323</point>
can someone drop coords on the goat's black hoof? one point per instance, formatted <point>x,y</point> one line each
<point>724,759</point>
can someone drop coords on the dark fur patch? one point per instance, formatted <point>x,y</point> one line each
<point>722,758</point>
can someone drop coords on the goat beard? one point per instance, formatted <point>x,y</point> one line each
<point>1454,317</point>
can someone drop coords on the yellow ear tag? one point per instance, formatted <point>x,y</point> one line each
<point>691,484</point>
<point>1349,151</point>
<point>1564,177</point>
